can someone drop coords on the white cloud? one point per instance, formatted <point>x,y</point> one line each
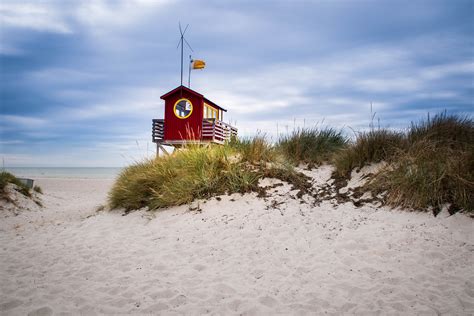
<point>33,15</point>
<point>100,15</point>
<point>24,122</point>
<point>133,102</point>
<point>445,70</point>
<point>61,76</point>
<point>389,84</point>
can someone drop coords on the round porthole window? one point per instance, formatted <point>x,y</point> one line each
<point>183,108</point>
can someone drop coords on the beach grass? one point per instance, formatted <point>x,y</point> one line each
<point>7,178</point>
<point>38,189</point>
<point>429,165</point>
<point>369,147</point>
<point>254,150</point>
<point>435,168</point>
<point>311,145</point>
<point>197,172</point>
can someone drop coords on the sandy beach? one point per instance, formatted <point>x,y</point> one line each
<point>235,254</point>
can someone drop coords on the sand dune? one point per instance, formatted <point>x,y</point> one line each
<point>235,254</point>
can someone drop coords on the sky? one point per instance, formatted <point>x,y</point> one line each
<point>80,81</point>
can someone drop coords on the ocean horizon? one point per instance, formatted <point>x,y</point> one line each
<point>65,172</point>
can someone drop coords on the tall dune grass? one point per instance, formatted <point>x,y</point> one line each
<point>369,147</point>
<point>435,168</point>
<point>429,176</point>
<point>256,150</point>
<point>312,146</point>
<point>198,172</point>
<point>429,165</point>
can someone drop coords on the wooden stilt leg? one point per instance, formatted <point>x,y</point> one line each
<point>161,148</point>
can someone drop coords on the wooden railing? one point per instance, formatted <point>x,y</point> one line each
<point>212,131</point>
<point>217,131</point>
<point>158,130</point>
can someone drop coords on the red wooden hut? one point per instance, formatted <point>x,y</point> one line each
<point>191,117</point>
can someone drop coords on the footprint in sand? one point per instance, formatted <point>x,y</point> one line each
<point>165,294</point>
<point>10,305</point>
<point>178,300</point>
<point>199,267</point>
<point>268,301</point>
<point>43,311</point>
<point>156,308</point>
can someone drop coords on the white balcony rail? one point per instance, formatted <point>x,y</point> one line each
<point>212,131</point>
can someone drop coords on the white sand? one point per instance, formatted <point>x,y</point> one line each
<point>240,255</point>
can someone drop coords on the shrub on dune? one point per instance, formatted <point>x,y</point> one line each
<point>436,168</point>
<point>6,178</point>
<point>428,176</point>
<point>196,172</point>
<point>312,146</point>
<point>193,173</point>
<point>444,129</point>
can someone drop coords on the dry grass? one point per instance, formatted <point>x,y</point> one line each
<point>429,176</point>
<point>435,168</point>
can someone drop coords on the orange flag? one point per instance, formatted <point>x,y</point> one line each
<point>198,64</point>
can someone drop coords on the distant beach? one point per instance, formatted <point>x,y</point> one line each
<point>66,173</point>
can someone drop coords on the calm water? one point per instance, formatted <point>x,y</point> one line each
<point>76,173</point>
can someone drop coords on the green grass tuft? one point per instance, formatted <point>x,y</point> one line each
<point>256,150</point>
<point>6,178</point>
<point>186,175</point>
<point>312,146</point>
<point>38,189</point>
<point>369,147</point>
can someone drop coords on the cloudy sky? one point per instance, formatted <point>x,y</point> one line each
<point>81,80</point>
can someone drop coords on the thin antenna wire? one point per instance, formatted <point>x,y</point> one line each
<point>181,42</point>
<point>189,74</point>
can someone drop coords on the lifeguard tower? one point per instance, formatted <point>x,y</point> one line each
<point>189,116</point>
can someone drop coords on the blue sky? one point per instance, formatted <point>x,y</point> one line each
<point>81,80</point>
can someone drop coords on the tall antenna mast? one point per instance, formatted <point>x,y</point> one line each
<point>181,42</point>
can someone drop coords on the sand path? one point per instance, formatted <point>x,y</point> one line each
<point>239,255</point>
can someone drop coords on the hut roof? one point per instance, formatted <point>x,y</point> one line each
<point>166,95</point>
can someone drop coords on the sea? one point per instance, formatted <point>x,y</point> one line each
<point>68,173</point>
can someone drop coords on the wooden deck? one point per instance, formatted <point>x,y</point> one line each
<point>213,131</point>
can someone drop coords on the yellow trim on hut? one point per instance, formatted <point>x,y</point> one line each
<point>212,112</point>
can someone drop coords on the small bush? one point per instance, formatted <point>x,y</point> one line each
<point>38,189</point>
<point>369,147</point>
<point>313,146</point>
<point>6,178</point>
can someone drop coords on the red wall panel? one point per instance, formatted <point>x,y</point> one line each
<point>183,129</point>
